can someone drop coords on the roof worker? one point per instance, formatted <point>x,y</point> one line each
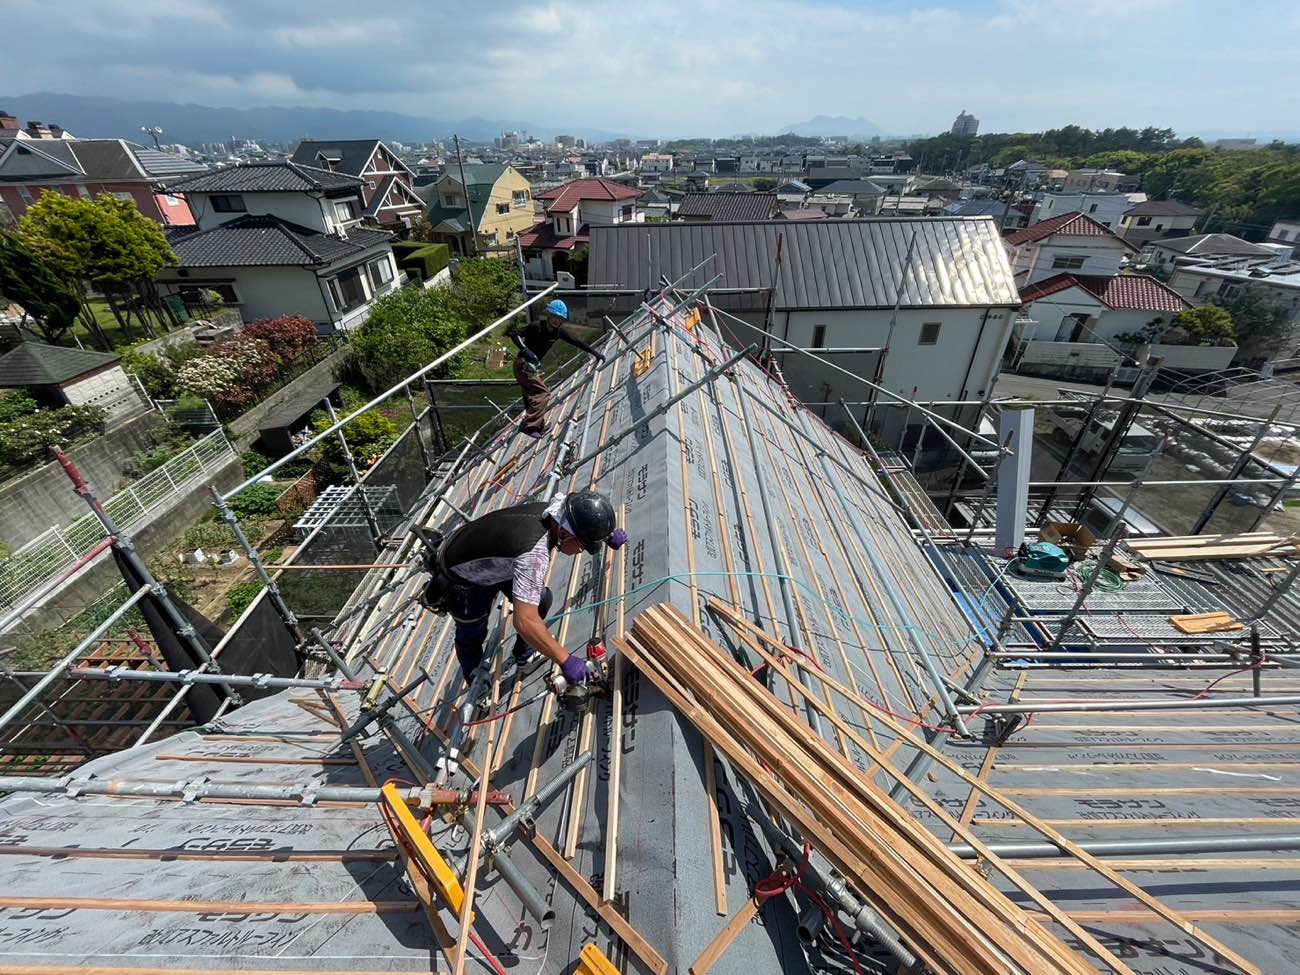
<point>534,341</point>
<point>509,551</point>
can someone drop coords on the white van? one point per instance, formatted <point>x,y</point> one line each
<point>1136,451</point>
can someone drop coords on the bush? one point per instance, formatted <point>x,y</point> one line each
<point>369,435</point>
<point>424,261</point>
<point>211,536</point>
<point>157,370</point>
<point>29,437</point>
<point>253,462</point>
<point>289,336</point>
<point>15,404</point>
<point>240,596</point>
<point>258,500</point>
<point>407,330</point>
<point>231,373</point>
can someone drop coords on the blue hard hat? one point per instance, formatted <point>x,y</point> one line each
<point>559,309</point>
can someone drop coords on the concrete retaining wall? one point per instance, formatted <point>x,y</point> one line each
<point>168,525</point>
<point>244,429</point>
<point>35,501</point>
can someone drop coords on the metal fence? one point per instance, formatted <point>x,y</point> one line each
<point>51,554</point>
<point>188,413</point>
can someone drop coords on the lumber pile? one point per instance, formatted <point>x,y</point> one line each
<point>948,915</point>
<point>1190,548</point>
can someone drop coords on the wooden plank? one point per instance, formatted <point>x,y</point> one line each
<point>959,828</point>
<point>949,931</point>
<point>722,941</point>
<point>136,853</point>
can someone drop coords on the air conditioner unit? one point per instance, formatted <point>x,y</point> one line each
<point>565,280</point>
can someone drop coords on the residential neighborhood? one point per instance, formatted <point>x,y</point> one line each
<point>571,489</point>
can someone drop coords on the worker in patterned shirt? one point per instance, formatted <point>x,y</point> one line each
<point>509,552</point>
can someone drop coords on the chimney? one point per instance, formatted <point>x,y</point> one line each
<point>7,122</point>
<point>56,131</point>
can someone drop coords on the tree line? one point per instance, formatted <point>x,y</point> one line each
<point>1242,191</point>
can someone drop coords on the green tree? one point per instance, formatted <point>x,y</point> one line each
<point>1260,324</point>
<point>407,329</point>
<point>484,289</point>
<point>1208,325</point>
<point>764,184</point>
<point>422,230</point>
<point>47,298</point>
<point>106,244</point>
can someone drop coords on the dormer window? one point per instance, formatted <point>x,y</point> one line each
<point>345,210</point>
<point>228,203</point>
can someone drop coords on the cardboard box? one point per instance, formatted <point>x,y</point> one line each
<point>1075,539</point>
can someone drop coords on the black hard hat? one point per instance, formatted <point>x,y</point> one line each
<point>591,518</point>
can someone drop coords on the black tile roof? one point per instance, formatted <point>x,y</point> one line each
<point>827,264</point>
<point>262,240</point>
<point>38,364</point>
<point>728,206</point>
<point>348,155</point>
<point>273,177</point>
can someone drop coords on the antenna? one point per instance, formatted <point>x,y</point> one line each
<point>152,130</point>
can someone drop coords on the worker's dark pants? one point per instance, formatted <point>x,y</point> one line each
<point>536,396</point>
<point>470,607</point>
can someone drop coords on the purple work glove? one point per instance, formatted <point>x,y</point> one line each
<point>617,539</point>
<point>575,670</point>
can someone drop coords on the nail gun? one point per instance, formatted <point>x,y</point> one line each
<point>577,698</point>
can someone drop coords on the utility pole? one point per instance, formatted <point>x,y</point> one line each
<point>469,207</point>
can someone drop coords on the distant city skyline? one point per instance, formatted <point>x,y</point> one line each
<point>675,69</point>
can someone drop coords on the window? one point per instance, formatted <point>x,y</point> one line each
<point>199,294</point>
<point>172,201</point>
<point>26,195</point>
<point>451,201</point>
<point>930,333</point>
<point>1064,262</point>
<point>347,290</point>
<point>627,212</point>
<point>1160,226</point>
<point>819,337</point>
<point>85,193</point>
<point>345,210</point>
<point>1093,208</point>
<point>520,198</point>
<point>1144,221</point>
<point>1283,234</point>
<point>502,209</point>
<point>381,272</point>
<point>228,204</point>
<point>561,225</point>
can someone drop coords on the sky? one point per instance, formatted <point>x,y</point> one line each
<point>684,67</point>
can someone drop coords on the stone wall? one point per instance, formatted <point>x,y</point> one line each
<point>33,502</point>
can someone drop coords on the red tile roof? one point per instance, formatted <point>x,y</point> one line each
<point>1130,291</point>
<point>564,198</point>
<point>542,236</point>
<point>1067,224</point>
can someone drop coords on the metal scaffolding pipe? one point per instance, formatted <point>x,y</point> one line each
<point>663,407</point>
<point>1112,848</point>
<point>950,709</point>
<point>308,793</point>
<point>1190,704</point>
<point>116,674</point>
<point>501,833</point>
<point>418,374</point>
<point>39,688</point>
<point>268,582</point>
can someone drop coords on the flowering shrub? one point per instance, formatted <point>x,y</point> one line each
<point>28,438</point>
<point>230,374</point>
<point>289,336</point>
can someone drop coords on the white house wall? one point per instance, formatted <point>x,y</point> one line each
<point>935,371</point>
<point>1101,257</point>
<point>268,292</point>
<point>297,208</point>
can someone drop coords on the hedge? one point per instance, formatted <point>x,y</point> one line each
<point>423,262</point>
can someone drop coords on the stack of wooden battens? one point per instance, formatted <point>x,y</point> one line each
<point>949,915</point>
<point>1192,548</point>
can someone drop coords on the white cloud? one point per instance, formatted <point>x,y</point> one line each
<point>334,33</point>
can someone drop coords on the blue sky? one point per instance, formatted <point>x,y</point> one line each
<point>676,67</point>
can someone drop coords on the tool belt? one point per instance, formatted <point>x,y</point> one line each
<point>436,591</point>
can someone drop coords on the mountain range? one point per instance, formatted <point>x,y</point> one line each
<point>826,125</point>
<point>93,117</point>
